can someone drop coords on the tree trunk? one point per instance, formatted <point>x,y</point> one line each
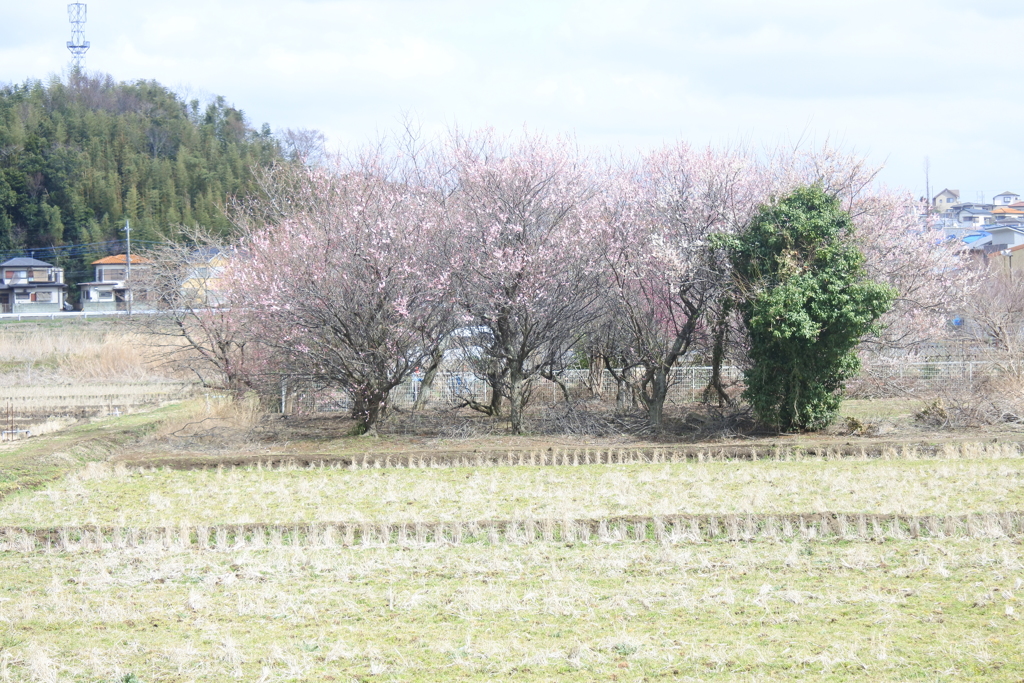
<point>596,375</point>
<point>714,390</point>
<point>654,397</point>
<point>622,393</point>
<point>427,385</point>
<point>496,396</point>
<point>517,400</point>
<point>368,407</point>
<point>374,411</point>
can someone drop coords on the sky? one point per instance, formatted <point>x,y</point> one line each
<point>905,83</point>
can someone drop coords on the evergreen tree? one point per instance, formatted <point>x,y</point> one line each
<point>806,302</point>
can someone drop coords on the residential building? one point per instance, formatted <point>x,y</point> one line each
<point>972,215</point>
<point>111,290</point>
<point>1006,198</point>
<point>945,199</point>
<point>29,285</point>
<point>204,284</point>
<point>1010,258</point>
<point>1007,214</point>
<point>1006,235</point>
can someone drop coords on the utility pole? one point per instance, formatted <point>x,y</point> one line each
<point>128,271</point>
<point>927,185</point>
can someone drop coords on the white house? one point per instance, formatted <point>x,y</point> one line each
<point>111,290</point>
<point>1007,235</point>
<point>31,286</point>
<point>1006,198</point>
<point>975,216</point>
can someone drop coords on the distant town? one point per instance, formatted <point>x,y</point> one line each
<point>991,228</point>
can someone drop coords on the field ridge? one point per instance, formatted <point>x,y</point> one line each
<point>668,529</point>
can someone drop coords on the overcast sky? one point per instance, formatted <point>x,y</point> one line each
<point>896,81</point>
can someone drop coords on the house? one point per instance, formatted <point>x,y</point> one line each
<point>1006,198</point>
<point>31,286</point>
<point>1004,236</point>
<point>111,290</point>
<point>1004,259</point>
<point>1008,214</point>
<point>972,215</point>
<point>945,199</point>
<point>203,284</point>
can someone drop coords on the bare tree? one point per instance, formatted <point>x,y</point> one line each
<point>194,327</point>
<point>305,145</point>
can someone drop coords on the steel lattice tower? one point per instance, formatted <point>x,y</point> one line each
<point>77,45</point>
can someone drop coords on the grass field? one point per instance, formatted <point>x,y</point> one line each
<point>119,496</point>
<point>550,611</point>
<point>902,567</point>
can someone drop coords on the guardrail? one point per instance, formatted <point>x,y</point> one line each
<point>57,315</point>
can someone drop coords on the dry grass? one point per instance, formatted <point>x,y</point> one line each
<point>75,351</point>
<point>211,420</point>
<point>972,478</point>
<point>235,574</point>
<point>620,611</point>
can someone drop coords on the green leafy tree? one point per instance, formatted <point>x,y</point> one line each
<point>80,155</point>
<point>806,301</point>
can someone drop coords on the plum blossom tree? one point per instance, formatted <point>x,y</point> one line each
<point>666,282</point>
<point>669,290</point>
<point>521,247</point>
<point>338,277</point>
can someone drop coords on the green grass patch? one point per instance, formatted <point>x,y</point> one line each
<point>28,464</point>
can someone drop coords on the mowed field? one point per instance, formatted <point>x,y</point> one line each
<point>637,566</point>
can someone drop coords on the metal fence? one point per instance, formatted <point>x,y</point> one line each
<point>687,385</point>
<point>924,378</point>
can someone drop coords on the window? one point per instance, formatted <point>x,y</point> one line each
<point>44,297</point>
<point>106,295</point>
<point>113,274</point>
<point>21,296</point>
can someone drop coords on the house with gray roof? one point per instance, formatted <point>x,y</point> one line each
<point>28,285</point>
<point>1006,236</point>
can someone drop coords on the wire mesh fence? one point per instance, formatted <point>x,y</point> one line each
<point>687,385</point>
<point>923,379</point>
<point>453,388</point>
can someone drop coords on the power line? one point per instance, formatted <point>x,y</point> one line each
<point>71,250</point>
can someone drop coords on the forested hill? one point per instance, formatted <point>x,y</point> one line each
<point>79,156</point>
